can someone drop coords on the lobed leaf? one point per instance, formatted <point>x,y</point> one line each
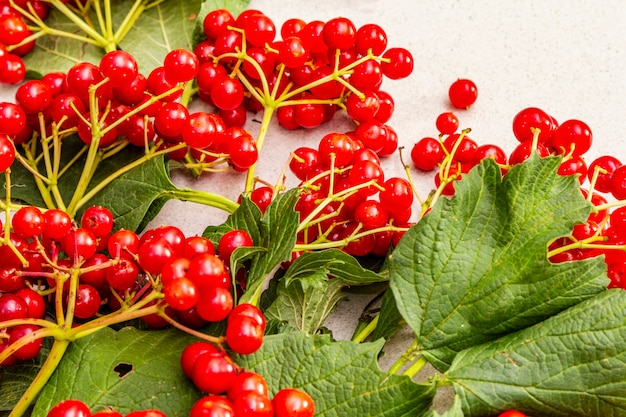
<point>570,365</point>
<point>342,377</point>
<point>127,369</point>
<point>305,302</point>
<point>475,267</point>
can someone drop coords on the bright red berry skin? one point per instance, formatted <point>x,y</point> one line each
<point>463,93</point>
<point>70,408</point>
<point>12,118</point>
<point>191,353</point>
<point>212,406</point>
<point>244,335</point>
<point>512,413</point>
<point>214,373</point>
<point>253,404</point>
<point>232,240</point>
<point>427,154</point>
<point>7,153</point>
<point>572,136</point>
<point>292,402</point>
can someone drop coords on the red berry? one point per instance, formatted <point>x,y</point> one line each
<point>70,408</point>
<point>463,93</point>
<point>292,402</point>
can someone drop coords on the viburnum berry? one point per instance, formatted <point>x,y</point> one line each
<point>67,408</point>
<point>339,33</point>
<point>253,404</point>
<point>216,22</point>
<point>212,406</point>
<point>180,65</point>
<point>370,37</point>
<point>605,166</point>
<point>33,96</point>
<point>427,154</point>
<point>292,52</point>
<point>7,153</point>
<point>397,63</point>
<point>28,222</point>
<point>12,69</point>
<point>29,350</point>
<point>214,372</point>
<point>292,402</point>
<point>12,118</point>
<point>530,118</point>
<point>98,220</point>
<point>512,413</point>
<point>119,67</point>
<point>447,123</point>
<point>571,137</point>
<point>463,93</point>
<point>489,151</point>
<point>618,183</point>
<point>232,240</point>
<point>259,29</point>
<point>214,304</point>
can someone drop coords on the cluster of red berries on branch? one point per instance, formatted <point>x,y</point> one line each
<point>307,74</point>
<point>88,271</point>
<point>16,38</point>
<point>603,181</point>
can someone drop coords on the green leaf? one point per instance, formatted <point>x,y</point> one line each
<point>339,264</point>
<point>305,302</point>
<point>57,53</point>
<point>165,26</point>
<point>132,197</point>
<point>311,288</point>
<point>15,380</point>
<point>342,377</point>
<point>571,365</point>
<point>389,318</point>
<point>128,370</point>
<point>273,234</point>
<point>247,217</point>
<point>235,6</point>
<point>475,267</point>
<point>162,28</point>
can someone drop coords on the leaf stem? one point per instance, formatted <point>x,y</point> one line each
<point>366,331</point>
<point>41,379</point>
<point>407,356</point>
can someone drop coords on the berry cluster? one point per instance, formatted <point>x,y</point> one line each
<point>604,233</point>
<point>231,391</point>
<point>311,70</point>
<point>345,197</point>
<point>16,39</point>
<point>181,276</point>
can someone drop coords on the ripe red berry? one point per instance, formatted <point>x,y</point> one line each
<point>292,402</point>
<point>7,152</point>
<point>463,93</point>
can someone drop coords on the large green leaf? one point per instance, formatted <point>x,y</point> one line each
<point>571,365</point>
<point>164,26</point>
<point>337,263</point>
<point>311,288</point>
<point>129,197</point>
<point>15,380</point>
<point>127,369</point>
<point>305,302</point>
<point>342,377</point>
<point>475,267</point>
<point>273,234</point>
